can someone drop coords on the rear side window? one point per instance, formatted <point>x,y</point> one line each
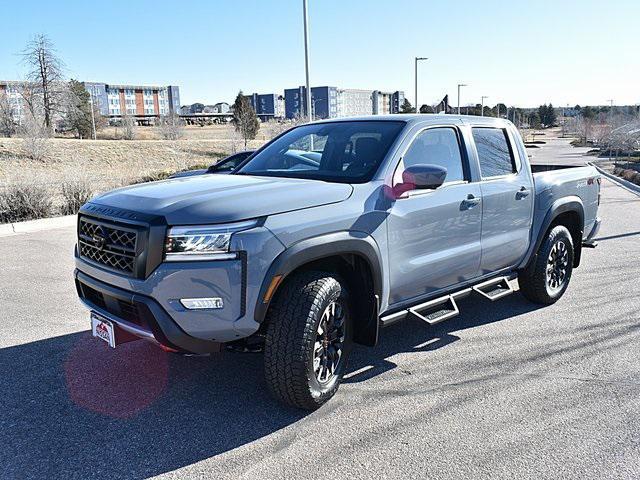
<point>494,152</point>
<point>437,146</point>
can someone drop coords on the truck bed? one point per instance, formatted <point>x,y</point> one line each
<point>557,182</point>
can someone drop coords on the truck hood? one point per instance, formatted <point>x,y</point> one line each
<point>211,199</point>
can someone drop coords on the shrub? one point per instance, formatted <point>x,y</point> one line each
<point>35,143</point>
<point>24,202</point>
<point>171,127</point>
<point>75,194</point>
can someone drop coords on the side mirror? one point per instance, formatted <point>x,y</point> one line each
<point>421,177</point>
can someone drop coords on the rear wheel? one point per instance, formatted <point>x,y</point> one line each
<point>308,340</point>
<point>547,278</point>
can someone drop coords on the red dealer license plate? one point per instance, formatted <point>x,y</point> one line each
<point>103,329</point>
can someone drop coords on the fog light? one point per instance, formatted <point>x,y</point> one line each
<point>202,303</point>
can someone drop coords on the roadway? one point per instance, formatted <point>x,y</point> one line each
<point>505,390</point>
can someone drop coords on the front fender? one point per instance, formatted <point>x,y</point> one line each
<point>315,248</point>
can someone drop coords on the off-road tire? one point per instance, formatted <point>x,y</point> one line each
<point>293,320</point>
<point>533,280</point>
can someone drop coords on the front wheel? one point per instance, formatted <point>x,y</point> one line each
<point>308,340</point>
<point>547,278</point>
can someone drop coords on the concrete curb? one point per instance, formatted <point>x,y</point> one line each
<point>621,182</point>
<point>37,225</point>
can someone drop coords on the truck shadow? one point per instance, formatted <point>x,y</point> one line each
<point>73,408</point>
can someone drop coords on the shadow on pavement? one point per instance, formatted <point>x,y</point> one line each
<point>73,408</point>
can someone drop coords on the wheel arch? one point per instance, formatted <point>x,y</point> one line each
<point>354,256</point>
<point>566,211</point>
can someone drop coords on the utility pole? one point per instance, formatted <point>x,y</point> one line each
<point>416,80</point>
<point>460,85</point>
<point>93,120</point>
<point>482,108</point>
<point>306,58</point>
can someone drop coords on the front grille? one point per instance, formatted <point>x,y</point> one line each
<point>113,246</point>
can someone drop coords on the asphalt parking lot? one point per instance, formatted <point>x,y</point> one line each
<point>508,389</point>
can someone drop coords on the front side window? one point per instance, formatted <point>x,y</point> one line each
<point>437,146</point>
<point>346,152</point>
<point>494,153</point>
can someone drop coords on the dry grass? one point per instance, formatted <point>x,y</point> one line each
<point>74,166</point>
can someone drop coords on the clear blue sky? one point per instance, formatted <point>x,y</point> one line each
<point>518,52</point>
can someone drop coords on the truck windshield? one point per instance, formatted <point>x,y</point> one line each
<point>345,152</point>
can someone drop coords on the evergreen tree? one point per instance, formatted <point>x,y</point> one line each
<point>78,110</point>
<point>406,107</point>
<point>244,118</point>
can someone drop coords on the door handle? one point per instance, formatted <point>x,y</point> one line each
<point>524,192</point>
<point>470,202</point>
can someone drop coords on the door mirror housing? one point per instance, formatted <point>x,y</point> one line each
<point>422,176</point>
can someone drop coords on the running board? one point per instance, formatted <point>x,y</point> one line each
<point>435,311</point>
<point>431,312</point>
<point>445,307</point>
<point>494,289</point>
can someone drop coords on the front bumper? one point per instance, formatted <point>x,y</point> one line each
<point>138,315</point>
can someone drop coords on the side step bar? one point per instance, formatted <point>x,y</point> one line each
<point>445,307</point>
<point>494,289</point>
<point>431,312</point>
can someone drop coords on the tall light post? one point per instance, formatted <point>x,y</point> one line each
<point>306,57</point>
<point>460,85</point>
<point>418,59</point>
<point>93,119</point>
<point>482,108</point>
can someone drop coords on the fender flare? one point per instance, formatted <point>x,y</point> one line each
<point>316,248</point>
<point>571,203</point>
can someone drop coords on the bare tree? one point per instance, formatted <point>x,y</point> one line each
<point>129,126</point>
<point>7,119</point>
<point>171,126</point>
<point>45,75</point>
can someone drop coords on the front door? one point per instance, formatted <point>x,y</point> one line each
<point>434,235</point>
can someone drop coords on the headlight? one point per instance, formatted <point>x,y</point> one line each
<point>203,242</point>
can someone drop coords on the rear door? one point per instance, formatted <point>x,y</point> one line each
<point>434,235</point>
<point>507,199</point>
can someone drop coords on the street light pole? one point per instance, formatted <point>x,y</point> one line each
<point>416,80</point>
<point>460,85</point>
<point>482,108</point>
<point>306,58</point>
<point>93,120</point>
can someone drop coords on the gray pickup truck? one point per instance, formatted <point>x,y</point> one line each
<point>327,233</point>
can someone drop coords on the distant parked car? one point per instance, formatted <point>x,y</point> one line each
<point>226,165</point>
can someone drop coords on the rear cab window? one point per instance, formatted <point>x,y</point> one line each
<point>495,153</point>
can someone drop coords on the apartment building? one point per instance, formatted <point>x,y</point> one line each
<point>267,105</point>
<point>134,100</point>
<point>333,102</point>
<point>387,102</point>
<point>14,92</point>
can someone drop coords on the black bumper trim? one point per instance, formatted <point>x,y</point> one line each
<point>164,329</point>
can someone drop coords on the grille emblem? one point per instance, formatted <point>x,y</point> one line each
<point>99,238</point>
